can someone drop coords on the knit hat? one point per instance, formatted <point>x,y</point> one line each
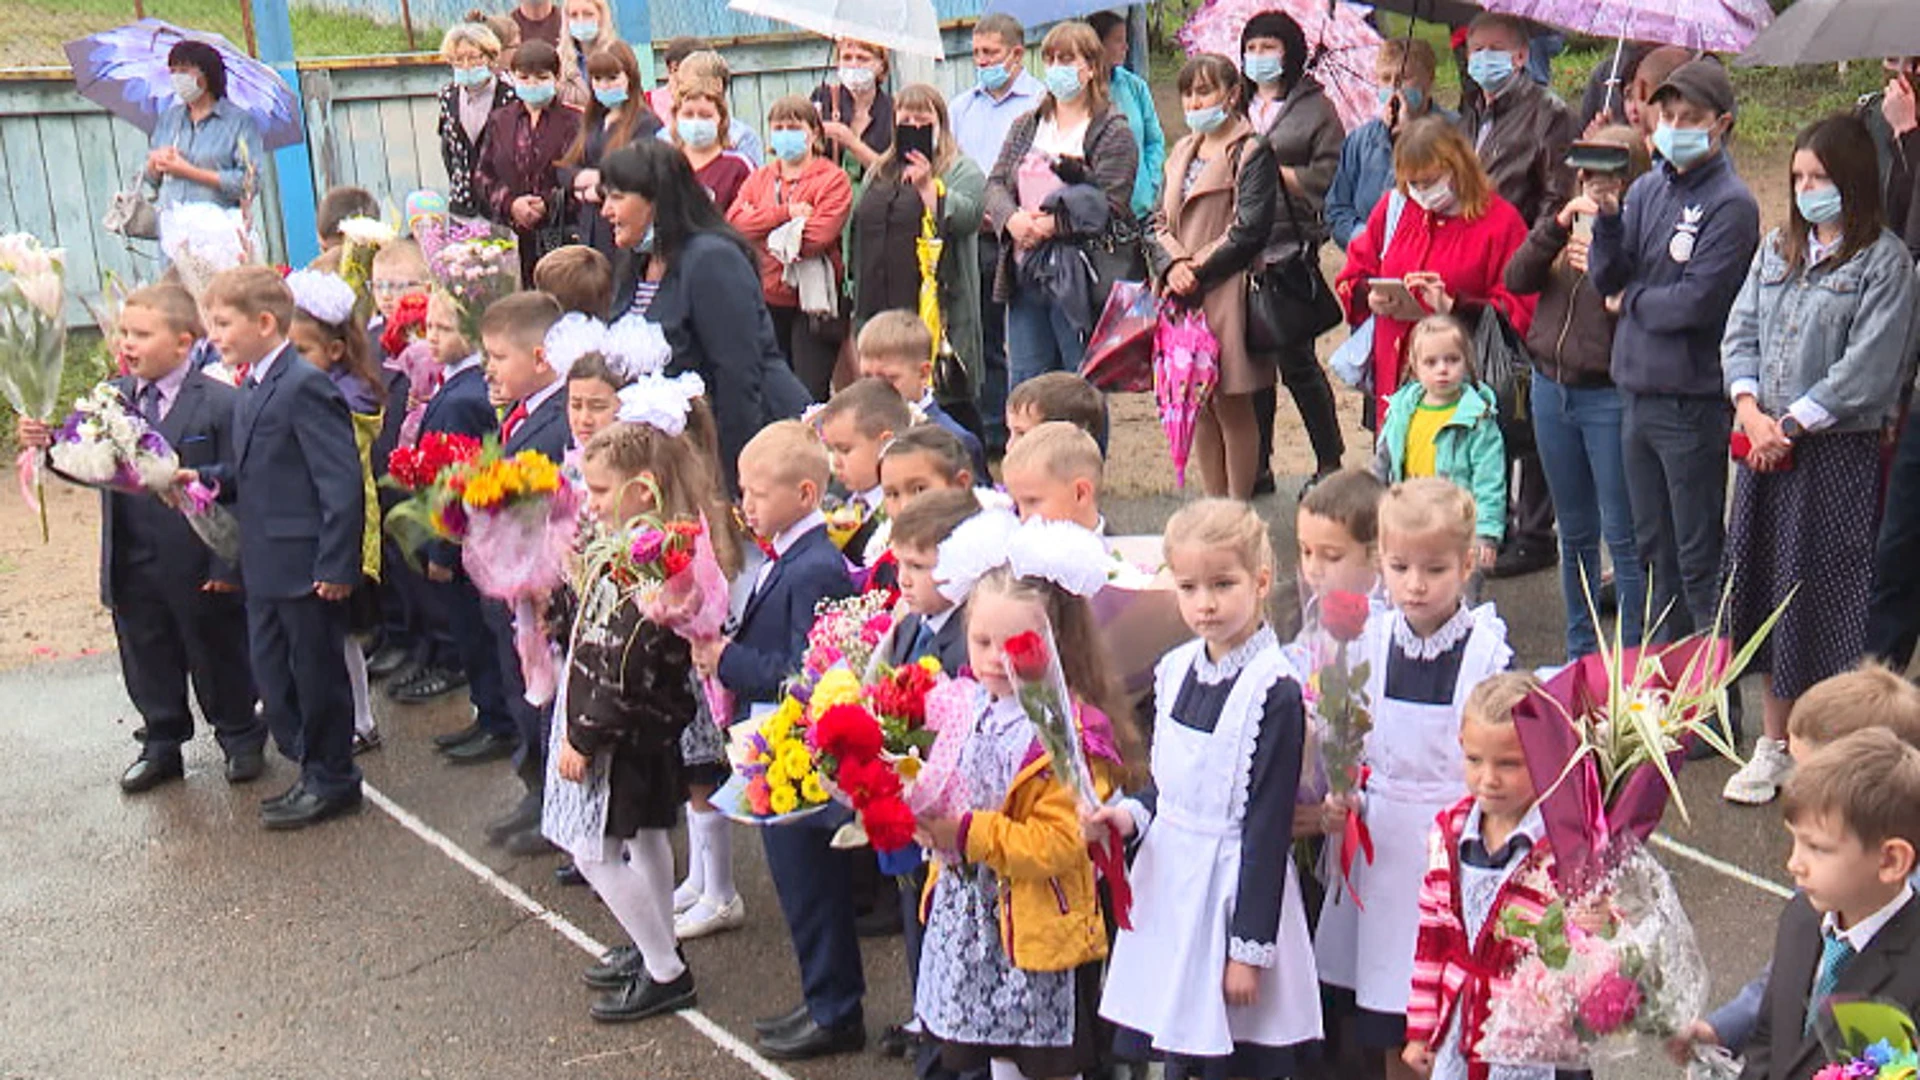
<point>1702,82</point>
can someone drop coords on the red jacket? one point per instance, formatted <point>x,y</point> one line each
<point>1469,254</point>
<point>762,206</point>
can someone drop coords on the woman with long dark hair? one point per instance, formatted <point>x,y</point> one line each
<point>618,116</point>
<point>1814,355</point>
<point>682,266</point>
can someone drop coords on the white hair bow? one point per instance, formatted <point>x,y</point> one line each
<point>974,547</point>
<point>1071,556</point>
<point>325,297</point>
<point>660,402</point>
<point>632,347</point>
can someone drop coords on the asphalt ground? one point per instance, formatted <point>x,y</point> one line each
<point>167,935</point>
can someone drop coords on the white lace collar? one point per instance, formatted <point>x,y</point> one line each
<point>1435,645</point>
<point>1228,667</point>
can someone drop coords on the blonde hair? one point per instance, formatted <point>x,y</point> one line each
<point>701,66</point>
<point>1869,696</point>
<point>1408,59</point>
<point>897,334</point>
<point>403,252</point>
<point>1442,325</point>
<point>708,90</point>
<point>1429,142</point>
<point>251,290</point>
<point>1077,40</point>
<point>1061,450</point>
<point>476,34</point>
<point>945,147</point>
<point>791,450</point>
<point>172,303</point>
<point>1218,524</point>
<point>1494,698</point>
<point>1424,506</point>
<point>442,302</point>
<point>1870,780</point>
<point>688,484</point>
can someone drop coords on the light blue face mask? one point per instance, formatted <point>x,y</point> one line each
<point>584,32</point>
<point>1491,68</point>
<point>536,95</point>
<point>611,98</point>
<point>1203,121</point>
<point>1261,69</point>
<point>1063,81</point>
<point>788,144</point>
<point>698,132</point>
<point>993,77</point>
<point>1411,95</point>
<point>471,77</point>
<point>1682,147</point>
<point>1819,206</point>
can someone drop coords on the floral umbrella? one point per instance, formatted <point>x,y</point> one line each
<point>125,71</point>
<point>1186,368</point>
<point>1342,44</point>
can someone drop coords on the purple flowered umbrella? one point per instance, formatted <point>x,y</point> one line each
<point>125,71</point>
<point>1710,25</point>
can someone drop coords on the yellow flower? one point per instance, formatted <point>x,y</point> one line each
<point>837,687</point>
<point>777,775</point>
<point>776,730</point>
<point>907,767</point>
<point>932,665</point>
<point>789,711</point>
<point>783,800</point>
<point>795,759</point>
<point>812,790</point>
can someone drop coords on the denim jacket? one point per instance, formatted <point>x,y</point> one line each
<point>1829,343</point>
<point>214,143</point>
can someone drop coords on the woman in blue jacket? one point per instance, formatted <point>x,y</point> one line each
<point>1135,101</point>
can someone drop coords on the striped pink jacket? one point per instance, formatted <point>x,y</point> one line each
<point>1449,972</point>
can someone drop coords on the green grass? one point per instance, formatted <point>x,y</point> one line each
<point>36,29</point>
<point>87,364</point>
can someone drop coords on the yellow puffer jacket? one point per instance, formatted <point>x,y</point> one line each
<point>1050,916</point>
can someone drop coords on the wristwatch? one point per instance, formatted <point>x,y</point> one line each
<point>1791,427</point>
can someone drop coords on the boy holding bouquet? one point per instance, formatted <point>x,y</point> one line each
<point>177,612</point>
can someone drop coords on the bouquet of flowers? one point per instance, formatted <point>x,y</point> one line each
<point>202,239</point>
<point>418,468</point>
<point>473,265</point>
<point>1867,1040</point>
<point>33,345</point>
<point>874,750</point>
<point>1338,692</point>
<point>361,239</point>
<point>844,632</point>
<point>214,524</point>
<point>520,522</point>
<point>404,342</point>
<point>104,444</point>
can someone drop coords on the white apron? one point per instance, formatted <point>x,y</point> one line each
<point>1414,754</point>
<point>1166,975</point>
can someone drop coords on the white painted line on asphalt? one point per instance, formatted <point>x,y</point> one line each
<point>1721,866</point>
<point>561,925</point>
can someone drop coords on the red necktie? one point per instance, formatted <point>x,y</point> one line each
<point>514,416</point>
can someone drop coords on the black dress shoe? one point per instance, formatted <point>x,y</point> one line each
<point>529,842</point>
<point>150,772</point>
<point>1519,560</point>
<point>568,873</point>
<point>386,661</point>
<point>619,967</point>
<point>641,997</point>
<point>895,1042</point>
<point>246,766</point>
<point>810,1040</point>
<point>306,808</point>
<point>276,800</point>
<point>455,738</point>
<point>525,815</point>
<point>484,747</point>
<point>370,740</point>
<point>432,683</point>
<point>784,1023</point>
<point>1263,484</point>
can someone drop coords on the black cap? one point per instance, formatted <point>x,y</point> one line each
<point>1702,82</point>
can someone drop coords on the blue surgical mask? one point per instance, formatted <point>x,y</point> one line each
<point>993,77</point>
<point>536,95</point>
<point>1202,121</point>
<point>584,32</point>
<point>788,144</point>
<point>1411,95</point>
<point>472,77</point>
<point>611,98</point>
<point>1491,68</point>
<point>1682,147</point>
<point>698,132</point>
<point>1063,81</point>
<point>1820,205</point>
<point>1261,69</point>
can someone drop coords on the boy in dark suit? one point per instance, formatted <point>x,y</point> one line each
<point>461,407</point>
<point>782,472</point>
<point>898,347</point>
<point>298,493</point>
<point>177,612</point>
<point>513,334</point>
<point>1853,808</point>
<point>856,424</point>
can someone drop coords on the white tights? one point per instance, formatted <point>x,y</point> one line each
<point>639,892</point>
<point>357,678</point>
<point>1002,1069</point>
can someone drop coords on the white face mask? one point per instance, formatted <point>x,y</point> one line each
<point>859,80</point>
<point>1435,198</point>
<point>186,86</point>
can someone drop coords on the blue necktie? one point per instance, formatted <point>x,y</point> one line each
<point>1835,955</point>
<point>922,641</point>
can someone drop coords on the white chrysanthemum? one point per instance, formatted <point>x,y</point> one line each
<point>156,471</point>
<point>367,232</point>
<point>88,461</point>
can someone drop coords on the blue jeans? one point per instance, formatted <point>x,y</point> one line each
<point>1577,430</point>
<point>1040,339</point>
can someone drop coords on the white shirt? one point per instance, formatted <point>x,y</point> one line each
<point>873,498</point>
<point>788,537</point>
<point>1861,934</point>
<point>1051,139</point>
<point>473,361</point>
<point>938,620</point>
<point>539,397</point>
<point>258,372</point>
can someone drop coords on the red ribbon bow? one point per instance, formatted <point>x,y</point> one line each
<point>1356,840</point>
<point>1110,859</point>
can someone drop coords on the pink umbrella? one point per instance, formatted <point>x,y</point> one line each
<point>1342,44</point>
<point>1186,368</point>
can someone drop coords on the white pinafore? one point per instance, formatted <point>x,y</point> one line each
<point>1165,977</point>
<point>1414,754</point>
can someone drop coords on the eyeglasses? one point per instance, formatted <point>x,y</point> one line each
<point>389,288</point>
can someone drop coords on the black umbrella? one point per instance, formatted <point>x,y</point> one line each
<point>1451,12</point>
<point>1829,31</point>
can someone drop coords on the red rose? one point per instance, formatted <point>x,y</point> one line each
<point>1027,656</point>
<point>677,556</point>
<point>1344,614</point>
<point>867,779</point>
<point>889,824</point>
<point>849,733</point>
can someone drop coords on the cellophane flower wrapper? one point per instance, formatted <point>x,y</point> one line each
<point>846,632</point>
<point>776,777</point>
<point>1048,703</point>
<point>103,444</point>
<point>694,604</point>
<point>1574,999</point>
<point>940,791</point>
<point>213,523</point>
<point>518,553</point>
<point>33,345</point>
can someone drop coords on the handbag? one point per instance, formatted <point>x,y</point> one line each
<point>131,213</point>
<point>1288,300</point>
<point>1352,361</point>
<point>1119,353</point>
<point>1501,359</point>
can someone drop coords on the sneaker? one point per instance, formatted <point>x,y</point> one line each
<point>1759,780</point>
<point>684,897</point>
<point>641,997</point>
<point>706,918</point>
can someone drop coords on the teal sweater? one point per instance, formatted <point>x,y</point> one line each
<point>1468,451</point>
<point>1135,101</point>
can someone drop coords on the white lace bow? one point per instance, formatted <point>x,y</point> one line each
<point>660,402</point>
<point>327,298</point>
